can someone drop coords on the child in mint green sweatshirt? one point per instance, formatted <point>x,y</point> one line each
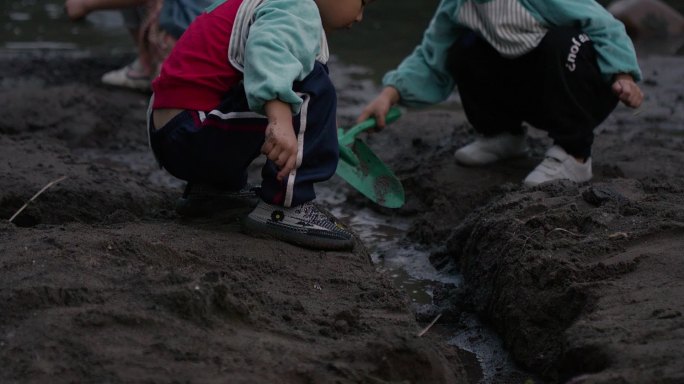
<point>559,65</point>
<point>249,78</point>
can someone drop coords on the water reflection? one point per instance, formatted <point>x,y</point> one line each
<point>44,25</point>
<point>390,31</point>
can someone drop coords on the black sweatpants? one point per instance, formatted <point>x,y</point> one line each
<point>216,147</point>
<point>557,87</point>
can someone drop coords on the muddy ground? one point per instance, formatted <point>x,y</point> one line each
<point>584,283</point>
<point>100,281</point>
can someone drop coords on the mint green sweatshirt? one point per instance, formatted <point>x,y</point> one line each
<point>275,43</point>
<point>513,28</point>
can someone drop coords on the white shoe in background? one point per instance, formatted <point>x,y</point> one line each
<point>487,150</point>
<point>127,77</point>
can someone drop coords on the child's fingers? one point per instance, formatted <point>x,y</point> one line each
<point>380,120</point>
<point>75,9</point>
<point>282,174</point>
<point>617,88</point>
<point>282,159</point>
<point>378,109</point>
<point>271,151</point>
<point>631,94</point>
<point>379,113</point>
<point>267,147</point>
<point>287,168</point>
<point>627,92</point>
<point>363,116</point>
<point>638,97</point>
<point>625,95</point>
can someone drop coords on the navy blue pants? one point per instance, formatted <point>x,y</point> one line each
<point>557,87</point>
<point>216,147</point>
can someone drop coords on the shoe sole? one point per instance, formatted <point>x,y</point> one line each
<point>472,163</point>
<point>124,87</point>
<point>264,230</point>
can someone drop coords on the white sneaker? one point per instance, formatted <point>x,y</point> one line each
<point>124,77</point>
<point>303,225</point>
<point>487,150</point>
<point>559,165</point>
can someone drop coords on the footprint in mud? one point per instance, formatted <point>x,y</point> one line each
<point>205,302</point>
<point>20,301</point>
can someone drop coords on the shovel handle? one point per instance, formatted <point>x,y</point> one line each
<point>392,115</point>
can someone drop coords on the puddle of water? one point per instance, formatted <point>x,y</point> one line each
<point>33,24</point>
<point>407,264</point>
<point>411,271</point>
<point>496,364</point>
<point>389,32</point>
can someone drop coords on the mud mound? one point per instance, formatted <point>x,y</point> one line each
<point>55,125</point>
<point>581,281</point>
<point>569,276</point>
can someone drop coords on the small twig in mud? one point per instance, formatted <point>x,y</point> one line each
<point>424,331</point>
<point>566,231</point>
<point>50,184</point>
<point>618,235</point>
<point>638,111</point>
<point>527,238</point>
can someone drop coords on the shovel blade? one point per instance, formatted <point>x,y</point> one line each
<point>371,177</point>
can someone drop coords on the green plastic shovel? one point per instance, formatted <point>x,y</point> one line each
<point>363,170</point>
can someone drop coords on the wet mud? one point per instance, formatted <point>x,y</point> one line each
<point>102,282</point>
<point>584,283</point>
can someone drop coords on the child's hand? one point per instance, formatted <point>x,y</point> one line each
<point>280,143</point>
<point>280,146</point>
<point>76,9</point>
<point>627,90</point>
<point>379,107</point>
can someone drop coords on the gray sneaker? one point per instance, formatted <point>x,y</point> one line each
<point>205,200</point>
<point>305,225</point>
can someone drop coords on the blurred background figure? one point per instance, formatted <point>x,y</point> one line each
<point>154,25</point>
<point>648,18</point>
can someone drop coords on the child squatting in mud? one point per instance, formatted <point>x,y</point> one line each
<point>250,77</point>
<point>559,65</point>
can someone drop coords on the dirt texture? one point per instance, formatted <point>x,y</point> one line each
<point>584,283</point>
<point>100,281</point>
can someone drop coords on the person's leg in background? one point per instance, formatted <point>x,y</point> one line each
<point>137,74</point>
<point>487,84</point>
<point>78,9</point>
<point>163,25</point>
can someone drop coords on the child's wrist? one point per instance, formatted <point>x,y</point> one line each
<point>392,94</point>
<point>277,110</point>
<point>622,76</point>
